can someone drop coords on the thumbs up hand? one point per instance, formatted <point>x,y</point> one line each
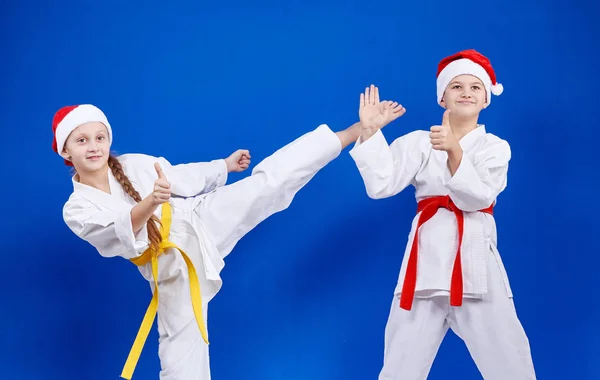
<point>162,187</point>
<point>441,136</point>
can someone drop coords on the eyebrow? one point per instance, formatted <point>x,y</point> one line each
<point>86,135</point>
<point>472,83</point>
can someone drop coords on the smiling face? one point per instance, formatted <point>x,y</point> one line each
<point>465,96</point>
<point>88,148</point>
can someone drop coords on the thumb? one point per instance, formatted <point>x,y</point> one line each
<point>446,118</point>
<point>161,174</point>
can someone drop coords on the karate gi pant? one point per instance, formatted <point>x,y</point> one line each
<point>184,355</point>
<point>489,327</point>
<point>231,211</point>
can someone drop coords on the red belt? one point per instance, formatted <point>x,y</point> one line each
<point>428,208</point>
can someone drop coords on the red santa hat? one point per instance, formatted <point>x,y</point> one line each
<point>468,62</point>
<point>68,118</point>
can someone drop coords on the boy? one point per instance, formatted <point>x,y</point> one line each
<point>458,170</point>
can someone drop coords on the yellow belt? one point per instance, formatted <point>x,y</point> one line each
<point>151,256</point>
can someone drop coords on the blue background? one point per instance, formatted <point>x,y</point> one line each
<point>306,294</point>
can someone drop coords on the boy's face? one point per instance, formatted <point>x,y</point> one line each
<point>465,96</point>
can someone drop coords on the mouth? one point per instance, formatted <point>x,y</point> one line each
<point>94,158</point>
<point>465,102</point>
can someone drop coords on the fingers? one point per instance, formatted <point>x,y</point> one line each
<point>398,110</point>
<point>436,140</point>
<point>161,198</point>
<point>244,159</point>
<point>162,191</point>
<point>161,174</point>
<point>371,95</point>
<point>437,137</point>
<point>244,153</point>
<point>162,183</point>
<point>395,107</point>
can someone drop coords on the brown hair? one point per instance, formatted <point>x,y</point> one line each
<point>117,171</point>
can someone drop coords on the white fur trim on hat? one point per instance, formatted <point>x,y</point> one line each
<point>497,89</point>
<point>85,113</point>
<point>463,67</point>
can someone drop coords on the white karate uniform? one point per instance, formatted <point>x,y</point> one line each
<point>208,219</point>
<point>487,320</point>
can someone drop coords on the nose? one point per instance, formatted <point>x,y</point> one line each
<point>93,146</point>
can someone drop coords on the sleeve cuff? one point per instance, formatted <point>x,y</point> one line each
<point>367,152</point>
<point>223,174</point>
<point>460,179</point>
<point>331,135</point>
<point>124,231</point>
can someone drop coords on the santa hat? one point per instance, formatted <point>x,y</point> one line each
<point>467,62</point>
<point>68,118</point>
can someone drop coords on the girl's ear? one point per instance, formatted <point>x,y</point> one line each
<point>65,155</point>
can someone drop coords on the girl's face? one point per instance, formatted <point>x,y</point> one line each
<point>465,96</point>
<point>88,148</point>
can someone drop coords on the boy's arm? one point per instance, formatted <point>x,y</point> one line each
<point>387,169</point>
<point>476,182</point>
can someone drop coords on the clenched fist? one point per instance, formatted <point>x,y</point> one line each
<point>238,161</point>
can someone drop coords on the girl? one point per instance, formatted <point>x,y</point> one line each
<point>458,170</point>
<point>180,246</point>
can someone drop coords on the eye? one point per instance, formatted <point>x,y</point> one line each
<point>476,87</point>
<point>101,138</point>
<point>456,86</point>
<point>81,140</point>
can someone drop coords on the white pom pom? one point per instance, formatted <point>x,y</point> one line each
<point>497,89</point>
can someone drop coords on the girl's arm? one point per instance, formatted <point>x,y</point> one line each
<point>110,232</point>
